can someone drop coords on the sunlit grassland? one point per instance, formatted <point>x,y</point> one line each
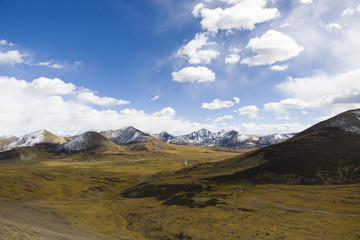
<point>89,194</point>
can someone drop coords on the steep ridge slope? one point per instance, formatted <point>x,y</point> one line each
<point>327,153</point>
<point>84,142</point>
<point>35,138</point>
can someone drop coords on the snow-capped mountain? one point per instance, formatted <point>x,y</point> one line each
<point>274,138</point>
<point>126,135</point>
<point>231,139</point>
<point>35,138</point>
<point>84,142</point>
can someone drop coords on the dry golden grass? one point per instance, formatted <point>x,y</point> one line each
<point>90,195</point>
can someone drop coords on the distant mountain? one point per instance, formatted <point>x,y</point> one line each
<point>35,138</point>
<point>231,139</point>
<point>126,135</point>
<point>326,153</point>
<point>84,142</point>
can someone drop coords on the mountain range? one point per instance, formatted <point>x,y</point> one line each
<point>131,135</point>
<point>230,139</point>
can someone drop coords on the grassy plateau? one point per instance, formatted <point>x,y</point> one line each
<point>97,196</point>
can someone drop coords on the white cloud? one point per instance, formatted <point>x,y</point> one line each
<point>226,117</point>
<point>306,1</point>
<point>279,67</point>
<point>272,47</point>
<point>234,49</point>
<point>264,129</point>
<point>197,8</point>
<point>48,86</point>
<point>232,58</point>
<point>57,66</point>
<point>332,26</point>
<point>251,111</point>
<point>236,99</point>
<point>289,103</point>
<point>28,109</point>
<point>11,57</point>
<point>241,15</point>
<point>51,64</point>
<point>194,53</point>
<point>155,98</point>
<point>283,118</point>
<point>217,104</point>
<point>285,25</point>
<point>348,12</point>
<point>194,74</point>
<point>337,93</point>
<point>165,112</point>
<point>90,97</point>
<point>47,63</point>
<point>4,42</point>
<point>304,112</point>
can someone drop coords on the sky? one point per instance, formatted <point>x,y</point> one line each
<point>255,66</point>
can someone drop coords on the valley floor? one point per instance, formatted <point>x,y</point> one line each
<point>85,200</point>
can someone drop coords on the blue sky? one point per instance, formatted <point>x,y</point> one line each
<point>255,66</point>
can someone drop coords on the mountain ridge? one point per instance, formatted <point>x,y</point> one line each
<point>230,139</point>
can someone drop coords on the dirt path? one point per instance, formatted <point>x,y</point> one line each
<point>21,220</point>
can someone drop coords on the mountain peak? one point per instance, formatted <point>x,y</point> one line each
<point>86,141</point>
<point>348,121</point>
<point>41,136</point>
<point>126,135</point>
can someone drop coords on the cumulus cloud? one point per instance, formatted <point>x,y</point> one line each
<point>155,98</point>
<point>11,57</point>
<point>48,86</point>
<point>31,106</point>
<point>4,42</point>
<point>165,112</point>
<point>226,117</point>
<point>194,53</point>
<point>232,58</point>
<point>337,92</point>
<point>289,103</point>
<point>252,111</point>
<point>217,104</point>
<point>194,74</point>
<point>270,48</point>
<point>90,97</point>
<point>236,99</point>
<point>240,15</point>
<point>279,67</point>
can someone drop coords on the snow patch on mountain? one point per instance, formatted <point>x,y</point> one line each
<point>349,121</point>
